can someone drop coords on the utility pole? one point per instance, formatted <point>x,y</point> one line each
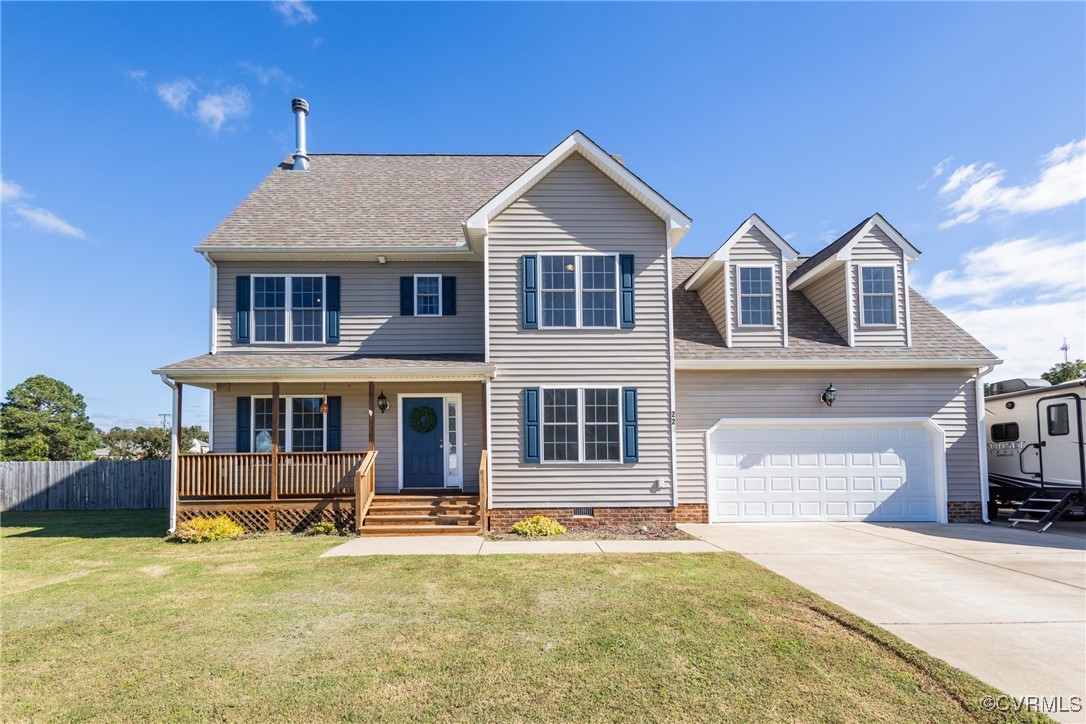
<point>165,419</point>
<point>1065,347</point>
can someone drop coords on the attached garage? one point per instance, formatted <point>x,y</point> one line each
<point>870,469</point>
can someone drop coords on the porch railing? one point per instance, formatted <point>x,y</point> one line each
<point>250,475</point>
<point>484,479</point>
<point>365,488</point>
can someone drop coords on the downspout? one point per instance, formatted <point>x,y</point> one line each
<point>174,449</point>
<point>213,326</point>
<point>982,443</point>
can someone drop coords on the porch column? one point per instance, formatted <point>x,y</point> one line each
<point>274,452</point>
<point>373,416</point>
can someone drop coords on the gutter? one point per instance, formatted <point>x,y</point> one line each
<point>750,364</point>
<point>260,250</point>
<point>325,374</point>
<point>982,442</point>
<point>174,435</point>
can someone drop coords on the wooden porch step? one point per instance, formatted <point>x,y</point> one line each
<point>424,499</point>
<point>422,519</point>
<point>407,529</point>
<point>406,508</point>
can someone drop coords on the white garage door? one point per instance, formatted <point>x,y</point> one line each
<point>825,471</point>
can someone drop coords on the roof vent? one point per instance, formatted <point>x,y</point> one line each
<point>300,109</point>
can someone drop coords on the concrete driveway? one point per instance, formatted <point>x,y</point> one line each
<point>1008,606</point>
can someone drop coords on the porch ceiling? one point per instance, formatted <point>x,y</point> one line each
<point>210,369</point>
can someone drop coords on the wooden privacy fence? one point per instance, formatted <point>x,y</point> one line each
<point>84,485</point>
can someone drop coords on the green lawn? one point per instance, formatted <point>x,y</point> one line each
<point>104,620</point>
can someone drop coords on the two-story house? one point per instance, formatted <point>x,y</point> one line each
<point>438,343</point>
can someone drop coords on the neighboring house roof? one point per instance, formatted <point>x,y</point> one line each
<point>344,201</point>
<point>811,337</point>
<point>243,366</point>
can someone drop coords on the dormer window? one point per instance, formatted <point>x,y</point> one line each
<point>756,296</point>
<point>878,297</point>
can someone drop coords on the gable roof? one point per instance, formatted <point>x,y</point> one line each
<point>811,338</point>
<point>676,221</point>
<point>753,222</point>
<point>360,201</point>
<point>840,248</point>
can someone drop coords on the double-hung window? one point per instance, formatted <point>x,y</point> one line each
<point>877,298</point>
<point>428,295</point>
<point>581,424</point>
<point>301,424</point>
<point>578,290</point>
<point>288,308</point>
<point>756,296</point>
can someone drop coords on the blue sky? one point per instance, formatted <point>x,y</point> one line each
<point>130,130</point>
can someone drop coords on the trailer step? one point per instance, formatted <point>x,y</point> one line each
<point>1043,511</point>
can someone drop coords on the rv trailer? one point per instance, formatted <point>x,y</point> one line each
<point>1036,456</point>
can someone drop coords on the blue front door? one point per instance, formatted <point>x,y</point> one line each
<point>423,442</point>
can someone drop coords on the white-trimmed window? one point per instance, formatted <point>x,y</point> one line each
<point>878,296</point>
<point>578,290</point>
<point>756,296</point>
<point>582,424</point>
<point>427,295</point>
<point>288,308</point>
<point>302,426</point>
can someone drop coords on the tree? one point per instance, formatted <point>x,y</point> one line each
<point>1065,372</point>
<point>45,419</point>
<point>121,443</point>
<point>148,443</point>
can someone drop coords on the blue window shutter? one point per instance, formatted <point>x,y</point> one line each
<point>626,289</point>
<point>448,296</point>
<point>530,264</point>
<point>629,424</point>
<point>331,307</point>
<point>242,292</point>
<point>531,424</point>
<point>243,442</point>
<point>407,296</point>
<point>335,416</point>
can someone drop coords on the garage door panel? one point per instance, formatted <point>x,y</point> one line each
<point>834,471</point>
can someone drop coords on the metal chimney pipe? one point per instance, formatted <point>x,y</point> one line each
<point>301,110</point>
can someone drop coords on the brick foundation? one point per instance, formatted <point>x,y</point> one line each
<point>692,513</point>
<point>963,512</point>
<point>654,517</point>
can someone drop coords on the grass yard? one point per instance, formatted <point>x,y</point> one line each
<point>103,620</point>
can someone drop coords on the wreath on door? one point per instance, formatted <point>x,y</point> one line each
<point>422,419</point>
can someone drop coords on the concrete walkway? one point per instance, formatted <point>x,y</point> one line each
<point>1008,606</point>
<point>470,545</point>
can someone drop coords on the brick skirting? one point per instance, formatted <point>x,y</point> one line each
<point>654,517</point>
<point>963,512</point>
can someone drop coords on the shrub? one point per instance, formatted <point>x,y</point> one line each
<point>322,528</point>
<point>538,525</point>
<point>201,529</point>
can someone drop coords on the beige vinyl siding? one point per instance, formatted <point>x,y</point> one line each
<point>876,249</point>
<point>945,396</point>
<point>830,297</point>
<point>754,249</point>
<point>714,297</point>
<point>355,432</point>
<point>576,209</point>
<point>370,321</point>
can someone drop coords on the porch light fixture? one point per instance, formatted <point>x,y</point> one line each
<point>324,405</point>
<point>829,395</point>
<point>382,402</point>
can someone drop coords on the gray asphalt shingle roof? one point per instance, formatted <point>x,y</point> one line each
<point>810,335</point>
<point>367,201</point>
<point>309,360</point>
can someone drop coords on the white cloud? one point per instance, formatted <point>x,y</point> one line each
<point>176,93</point>
<point>216,109</point>
<point>937,171</point>
<point>14,198</point>
<point>1020,298</point>
<point>977,189</point>
<point>294,11</point>
<point>266,75</point>
<point>138,76</point>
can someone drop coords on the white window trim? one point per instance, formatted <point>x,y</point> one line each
<point>451,481</point>
<point>577,289</point>
<point>580,427</point>
<point>288,332</point>
<point>896,324</point>
<point>440,295</point>
<point>739,296</point>
<point>285,445</point>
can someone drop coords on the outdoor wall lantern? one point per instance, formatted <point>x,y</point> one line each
<point>829,395</point>
<point>324,405</point>
<point>382,402</point>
